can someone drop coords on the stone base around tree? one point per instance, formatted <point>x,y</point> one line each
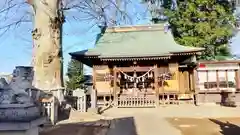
<point>21,128</point>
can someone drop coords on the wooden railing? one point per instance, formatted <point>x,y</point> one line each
<point>136,101</point>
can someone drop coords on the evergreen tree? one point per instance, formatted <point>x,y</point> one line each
<point>204,23</point>
<point>200,23</point>
<point>75,74</point>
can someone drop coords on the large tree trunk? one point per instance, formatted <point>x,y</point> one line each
<point>47,36</point>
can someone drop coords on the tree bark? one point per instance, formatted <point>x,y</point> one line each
<point>47,49</point>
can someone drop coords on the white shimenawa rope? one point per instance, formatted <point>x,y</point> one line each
<point>128,76</point>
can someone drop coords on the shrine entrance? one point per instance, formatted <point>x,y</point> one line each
<point>137,87</point>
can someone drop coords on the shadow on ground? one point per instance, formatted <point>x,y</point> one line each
<point>119,126</point>
<point>63,114</point>
<point>207,126</point>
<point>101,110</point>
<point>227,128</point>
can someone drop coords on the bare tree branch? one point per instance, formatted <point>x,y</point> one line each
<point>99,11</point>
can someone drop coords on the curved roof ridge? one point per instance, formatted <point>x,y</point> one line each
<point>131,28</point>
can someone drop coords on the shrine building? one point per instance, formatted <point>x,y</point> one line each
<point>141,66</point>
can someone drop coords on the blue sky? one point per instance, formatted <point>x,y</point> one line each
<point>16,45</point>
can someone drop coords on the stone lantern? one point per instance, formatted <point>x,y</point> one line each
<point>18,112</point>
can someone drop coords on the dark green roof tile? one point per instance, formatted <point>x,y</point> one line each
<point>137,44</point>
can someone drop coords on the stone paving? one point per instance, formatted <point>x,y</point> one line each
<point>143,121</point>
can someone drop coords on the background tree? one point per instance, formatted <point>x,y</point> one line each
<point>75,74</point>
<point>204,23</point>
<point>200,23</point>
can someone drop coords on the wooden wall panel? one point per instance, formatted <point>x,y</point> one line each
<point>187,83</point>
<point>191,77</point>
<point>103,79</point>
<point>181,82</point>
<point>173,84</point>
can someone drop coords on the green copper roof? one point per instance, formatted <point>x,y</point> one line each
<point>137,44</point>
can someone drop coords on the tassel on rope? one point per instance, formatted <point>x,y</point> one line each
<point>119,76</point>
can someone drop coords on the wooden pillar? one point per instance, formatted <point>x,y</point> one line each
<point>191,80</point>
<point>237,82</point>
<point>94,77</point>
<point>226,76</point>
<point>195,81</point>
<point>156,86</point>
<point>186,81</point>
<point>206,91</point>
<point>115,86</point>
<point>181,82</point>
<point>177,76</point>
<point>217,78</point>
<point>195,86</point>
<point>94,91</point>
<point>237,79</point>
<point>173,67</point>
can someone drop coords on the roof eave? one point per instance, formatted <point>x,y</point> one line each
<point>83,53</point>
<point>134,58</point>
<point>196,51</point>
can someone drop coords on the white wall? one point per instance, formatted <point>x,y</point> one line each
<point>212,77</point>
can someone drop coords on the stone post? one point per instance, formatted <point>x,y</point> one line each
<point>54,111</point>
<point>94,101</point>
<point>81,99</point>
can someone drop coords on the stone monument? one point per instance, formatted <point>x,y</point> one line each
<point>18,112</point>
